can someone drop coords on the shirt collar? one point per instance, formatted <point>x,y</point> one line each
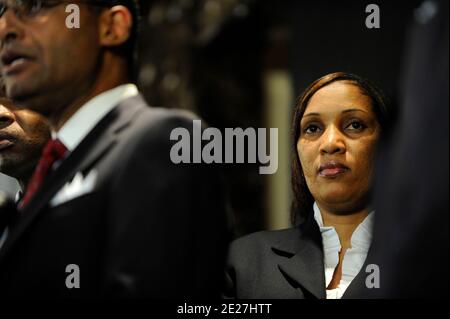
<point>330,238</point>
<point>18,196</point>
<point>89,115</point>
<point>361,237</point>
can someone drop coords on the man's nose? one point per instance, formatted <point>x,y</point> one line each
<point>10,27</point>
<point>6,117</point>
<point>333,142</point>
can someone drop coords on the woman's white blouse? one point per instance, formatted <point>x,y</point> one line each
<point>354,257</point>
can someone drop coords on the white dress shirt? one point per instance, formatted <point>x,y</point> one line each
<point>354,257</point>
<point>90,114</point>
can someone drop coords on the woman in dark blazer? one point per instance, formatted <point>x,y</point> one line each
<point>337,123</point>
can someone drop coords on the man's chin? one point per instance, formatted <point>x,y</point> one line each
<point>16,93</point>
<point>21,86</point>
<point>23,97</point>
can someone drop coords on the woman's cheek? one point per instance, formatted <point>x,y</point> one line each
<point>305,160</point>
<point>307,167</point>
<point>365,160</point>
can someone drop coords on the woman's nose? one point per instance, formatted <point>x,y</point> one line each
<point>332,142</point>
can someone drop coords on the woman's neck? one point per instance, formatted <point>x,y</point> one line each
<point>344,224</point>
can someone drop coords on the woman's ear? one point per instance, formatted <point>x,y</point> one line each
<point>115,26</point>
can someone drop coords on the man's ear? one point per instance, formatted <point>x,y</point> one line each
<point>115,26</point>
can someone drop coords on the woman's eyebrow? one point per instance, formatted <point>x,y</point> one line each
<point>345,111</point>
<point>311,114</point>
<point>353,110</point>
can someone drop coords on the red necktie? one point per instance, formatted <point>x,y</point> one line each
<point>53,151</point>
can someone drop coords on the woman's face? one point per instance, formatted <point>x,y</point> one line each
<point>338,134</point>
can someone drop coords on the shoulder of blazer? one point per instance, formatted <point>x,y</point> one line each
<point>136,111</point>
<point>285,242</point>
<point>296,253</point>
<point>155,123</point>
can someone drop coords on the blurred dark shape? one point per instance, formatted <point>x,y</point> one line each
<point>206,56</point>
<point>411,236</point>
<point>174,31</point>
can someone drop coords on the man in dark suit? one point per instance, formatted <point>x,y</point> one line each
<point>106,212</point>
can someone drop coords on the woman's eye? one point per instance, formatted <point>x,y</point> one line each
<point>311,129</point>
<point>356,126</point>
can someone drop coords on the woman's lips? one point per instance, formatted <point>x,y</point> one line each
<point>332,169</point>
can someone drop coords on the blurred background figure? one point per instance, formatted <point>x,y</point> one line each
<point>411,235</point>
<point>241,63</point>
<point>23,135</point>
<point>9,186</point>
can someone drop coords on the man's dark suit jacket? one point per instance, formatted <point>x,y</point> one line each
<point>411,228</point>
<point>150,228</point>
<point>282,264</point>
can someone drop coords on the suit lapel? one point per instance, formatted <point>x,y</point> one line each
<point>305,266</point>
<point>98,142</point>
<point>109,129</point>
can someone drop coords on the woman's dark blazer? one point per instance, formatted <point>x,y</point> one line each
<point>285,264</point>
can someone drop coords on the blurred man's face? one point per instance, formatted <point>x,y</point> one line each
<point>23,135</point>
<point>44,63</point>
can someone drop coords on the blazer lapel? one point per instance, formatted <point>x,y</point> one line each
<point>118,119</point>
<point>305,265</point>
<point>95,145</point>
<point>303,262</point>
